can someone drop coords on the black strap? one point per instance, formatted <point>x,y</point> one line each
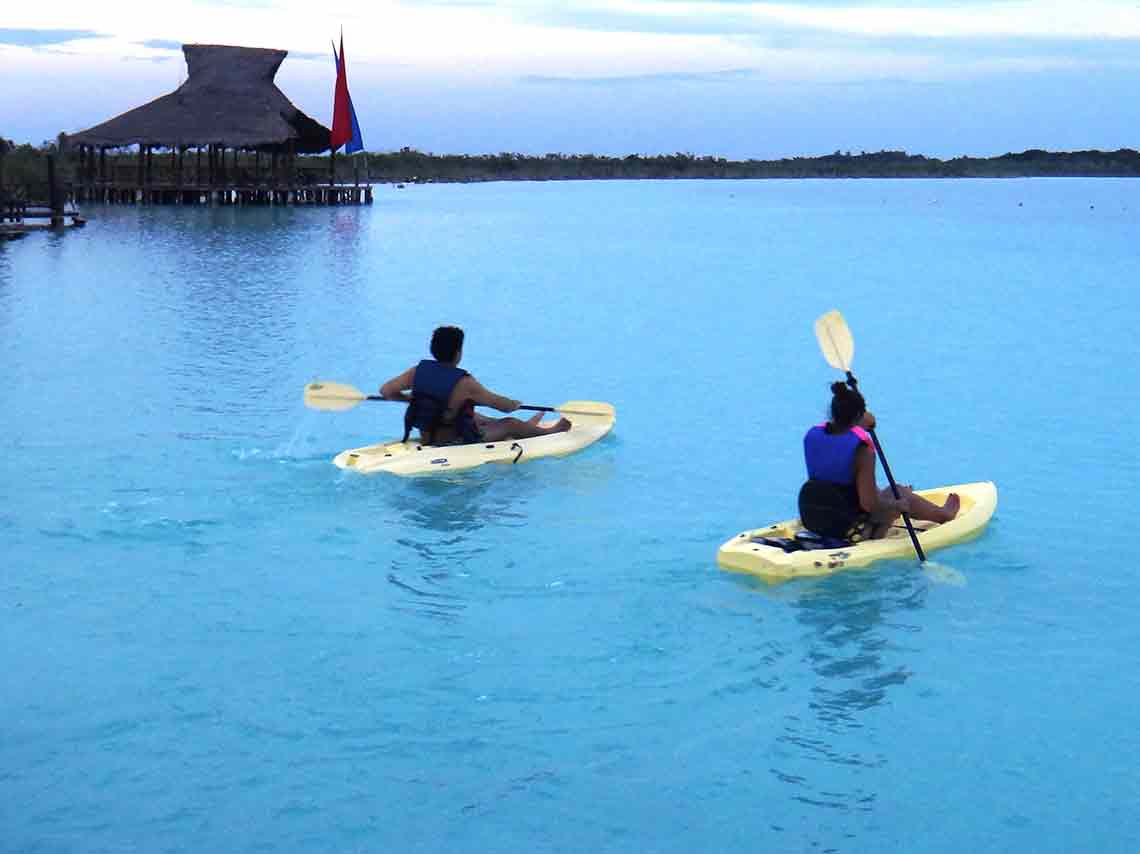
<point>466,430</point>
<point>436,419</point>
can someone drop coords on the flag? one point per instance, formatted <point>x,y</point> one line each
<point>345,127</point>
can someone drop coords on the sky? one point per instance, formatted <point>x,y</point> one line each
<point>725,78</point>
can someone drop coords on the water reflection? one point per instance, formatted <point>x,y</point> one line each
<point>345,232</point>
<point>441,522</point>
<point>424,602</point>
<point>468,530</point>
<point>243,293</point>
<point>852,650</point>
<point>6,294</point>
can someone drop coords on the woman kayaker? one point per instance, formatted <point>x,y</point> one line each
<point>840,498</point>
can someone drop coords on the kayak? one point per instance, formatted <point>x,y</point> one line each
<point>412,458</point>
<point>809,556</point>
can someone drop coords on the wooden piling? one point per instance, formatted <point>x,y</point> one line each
<point>55,195</point>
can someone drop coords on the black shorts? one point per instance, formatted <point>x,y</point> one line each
<point>832,510</point>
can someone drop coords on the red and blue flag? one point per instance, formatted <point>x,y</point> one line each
<point>345,127</point>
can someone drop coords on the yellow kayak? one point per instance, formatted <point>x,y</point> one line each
<point>747,553</point>
<point>412,458</point>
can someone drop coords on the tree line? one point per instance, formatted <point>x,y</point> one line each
<point>27,164</point>
<point>411,165</point>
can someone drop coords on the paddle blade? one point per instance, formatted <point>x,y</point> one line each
<point>588,409</point>
<point>835,340</point>
<point>332,397</point>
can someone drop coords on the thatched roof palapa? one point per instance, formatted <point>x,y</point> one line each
<point>229,98</point>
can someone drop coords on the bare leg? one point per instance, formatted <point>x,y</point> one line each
<point>498,429</point>
<point>917,507</point>
<point>928,511</point>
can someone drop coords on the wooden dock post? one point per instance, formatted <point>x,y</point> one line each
<point>55,194</point>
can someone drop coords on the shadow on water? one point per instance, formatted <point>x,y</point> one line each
<point>826,750</point>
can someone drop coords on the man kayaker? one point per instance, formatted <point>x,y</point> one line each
<point>841,498</point>
<point>443,400</point>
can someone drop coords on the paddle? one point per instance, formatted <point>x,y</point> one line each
<point>839,349</point>
<point>337,397</point>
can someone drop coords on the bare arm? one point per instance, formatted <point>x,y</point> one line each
<point>869,498</point>
<point>473,390</point>
<point>865,479</point>
<point>394,389</point>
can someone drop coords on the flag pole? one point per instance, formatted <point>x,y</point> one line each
<point>332,149</point>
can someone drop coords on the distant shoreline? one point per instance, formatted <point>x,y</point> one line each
<point>411,166</point>
<point>26,164</point>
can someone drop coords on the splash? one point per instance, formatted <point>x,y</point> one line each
<point>940,573</point>
<point>302,432</point>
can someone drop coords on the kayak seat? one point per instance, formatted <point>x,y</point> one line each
<point>803,541</point>
<point>811,540</point>
<point>783,543</point>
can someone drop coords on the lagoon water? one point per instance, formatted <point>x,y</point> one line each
<point>214,640</point>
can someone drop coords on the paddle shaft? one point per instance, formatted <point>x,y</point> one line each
<point>528,408</point>
<point>854,384</point>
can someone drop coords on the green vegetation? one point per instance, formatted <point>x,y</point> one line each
<point>23,165</point>
<point>411,165</point>
<point>27,165</point>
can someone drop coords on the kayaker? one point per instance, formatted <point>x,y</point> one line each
<point>443,398</point>
<point>841,498</point>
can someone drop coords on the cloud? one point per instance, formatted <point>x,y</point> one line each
<point>311,57</point>
<point>167,44</point>
<point>153,59</point>
<point>950,34</point>
<point>1090,19</point>
<point>160,44</point>
<point>45,38</point>
<point>728,75</point>
<point>451,3</point>
<point>240,4</point>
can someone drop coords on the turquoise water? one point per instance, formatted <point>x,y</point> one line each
<point>214,640</point>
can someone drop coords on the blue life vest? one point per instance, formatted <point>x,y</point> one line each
<point>831,456</point>
<point>432,386</point>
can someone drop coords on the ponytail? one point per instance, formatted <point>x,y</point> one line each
<point>847,406</point>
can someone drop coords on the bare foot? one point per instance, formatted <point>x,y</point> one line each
<point>561,427</point>
<point>534,419</point>
<point>950,508</point>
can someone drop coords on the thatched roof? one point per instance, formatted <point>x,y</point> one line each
<point>229,99</point>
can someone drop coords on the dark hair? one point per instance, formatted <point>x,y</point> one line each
<point>847,406</point>
<point>446,343</point>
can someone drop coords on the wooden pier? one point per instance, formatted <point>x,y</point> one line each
<point>35,207</point>
<point>213,175</point>
<point>114,193</point>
